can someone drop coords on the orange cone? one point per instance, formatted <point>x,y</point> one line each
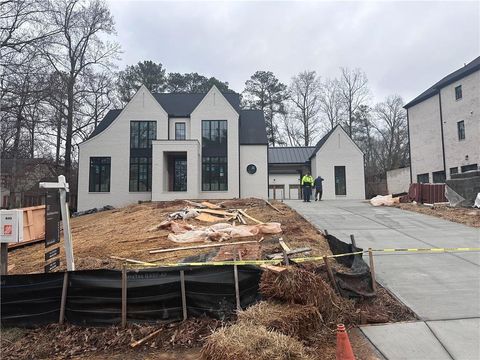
<point>344,349</point>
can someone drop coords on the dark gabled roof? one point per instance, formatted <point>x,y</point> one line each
<point>106,121</point>
<point>321,142</point>
<point>252,128</point>
<point>289,155</point>
<point>252,122</point>
<point>471,67</point>
<point>182,104</point>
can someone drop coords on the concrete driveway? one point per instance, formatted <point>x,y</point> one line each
<point>442,289</point>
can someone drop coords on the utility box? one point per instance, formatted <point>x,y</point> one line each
<point>11,226</point>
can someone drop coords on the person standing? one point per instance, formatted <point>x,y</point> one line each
<point>307,183</point>
<point>318,187</point>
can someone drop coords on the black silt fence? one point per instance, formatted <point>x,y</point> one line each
<point>94,297</point>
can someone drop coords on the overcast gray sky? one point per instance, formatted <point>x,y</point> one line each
<point>404,47</point>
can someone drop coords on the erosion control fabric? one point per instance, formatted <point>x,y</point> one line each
<point>94,296</point>
<point>356,282</point>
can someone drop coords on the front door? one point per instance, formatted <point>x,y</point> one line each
<point>180,174</point>
<point>340,181</point>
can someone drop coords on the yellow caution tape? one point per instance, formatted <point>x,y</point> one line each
<point>297,260</point>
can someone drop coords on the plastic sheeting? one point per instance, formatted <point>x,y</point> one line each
<point>357,281</point>
<point>94,296</point>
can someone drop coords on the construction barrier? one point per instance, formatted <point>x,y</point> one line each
<point>94,297</point>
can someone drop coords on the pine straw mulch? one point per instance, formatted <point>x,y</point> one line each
<point>67,341</point>
<point>466,216</point>
<point>246,342</point>
<point>302,307</point>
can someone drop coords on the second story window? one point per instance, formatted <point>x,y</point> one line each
<point>142,133</point>
<point>180,131</point>
<point>458,92</point>
<point>461,130</point>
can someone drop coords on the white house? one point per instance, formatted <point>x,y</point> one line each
<point>336,158</point>
<point>444,126</point>
<point>174,146</point>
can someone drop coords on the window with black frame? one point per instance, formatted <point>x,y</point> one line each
<point>99,177</point>
<point>214,155</point>
<point>180,131</point>
<point>141,135</point>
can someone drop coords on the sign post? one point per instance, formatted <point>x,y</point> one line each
<point>63,188</point>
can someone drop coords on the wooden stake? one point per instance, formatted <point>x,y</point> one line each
<point>372,270</point>
<point>285,257</point>
<point>249,217</point>
<point>330,274</point>
<point>325,232</point>
<point>148,337</point>
<point>63,301</point>
<point>352,239</point>
<point>184,294</point>
<point>237,287</point>
<point>273,207</point>
<point>124,296</point>
<point>3,259</point>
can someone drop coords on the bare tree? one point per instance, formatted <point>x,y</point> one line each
<point>21,24</point>
<point>304,93</point>
<point>391,125</point>
<point>354,92</point>
<point>331,102</point>
<point>291,130</point>
<point>76,49</point>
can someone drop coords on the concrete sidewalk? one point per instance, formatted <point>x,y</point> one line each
<point>442,289</point>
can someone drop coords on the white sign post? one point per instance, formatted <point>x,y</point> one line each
<point>11,231</point>
<point>63,188</point>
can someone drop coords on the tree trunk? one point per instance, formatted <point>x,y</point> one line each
<point>16,144</point>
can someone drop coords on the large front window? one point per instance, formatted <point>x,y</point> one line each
<point>214,155</point>
<point>141,135</point>
<point>99,177</point>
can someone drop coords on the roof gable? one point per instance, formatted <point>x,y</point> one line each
<point>466,70</point>
<point>324,139</point>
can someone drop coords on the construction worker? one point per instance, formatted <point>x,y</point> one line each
<point>318,187</point>
<point>307,183</point>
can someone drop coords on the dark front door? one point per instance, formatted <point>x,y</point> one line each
<point>180,174</point>
<point>340,181</point>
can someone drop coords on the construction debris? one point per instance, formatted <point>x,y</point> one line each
<point>386,200</point>
<point>148,337</point>
<point>288,253</point>
<point>159,251</point>
<point>247,342</point>
<point>222,232</point>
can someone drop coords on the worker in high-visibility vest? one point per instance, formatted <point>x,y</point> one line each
<point>307,183</point>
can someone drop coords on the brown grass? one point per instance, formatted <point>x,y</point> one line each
<point>298,321</point>
<point>466,216</point>
<point>246,342</point>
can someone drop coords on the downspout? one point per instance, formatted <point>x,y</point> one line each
<point>441,129</point>
<point>268,172</point>
<point>239,163</point>
<point>409,148</point>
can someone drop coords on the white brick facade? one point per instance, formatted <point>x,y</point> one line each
<point>114,142</point>
<point>440,111</point>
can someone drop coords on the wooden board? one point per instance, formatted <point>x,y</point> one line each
<point>208,218</point>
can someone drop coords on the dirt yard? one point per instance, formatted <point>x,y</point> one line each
<point>466,216</point>
<point>130,232</point>
<point>127,233</point>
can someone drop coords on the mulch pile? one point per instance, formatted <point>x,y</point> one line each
<point>299,321</point>
<point>65,341</point>
<point>300,286</point>
<point>246,342</point>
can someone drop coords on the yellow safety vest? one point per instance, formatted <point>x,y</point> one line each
<point>307,179</point>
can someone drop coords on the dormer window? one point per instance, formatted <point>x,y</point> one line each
<point>180,131</point>
<point>458,92</point>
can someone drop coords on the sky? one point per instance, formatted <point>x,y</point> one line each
<point>403,47</point>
